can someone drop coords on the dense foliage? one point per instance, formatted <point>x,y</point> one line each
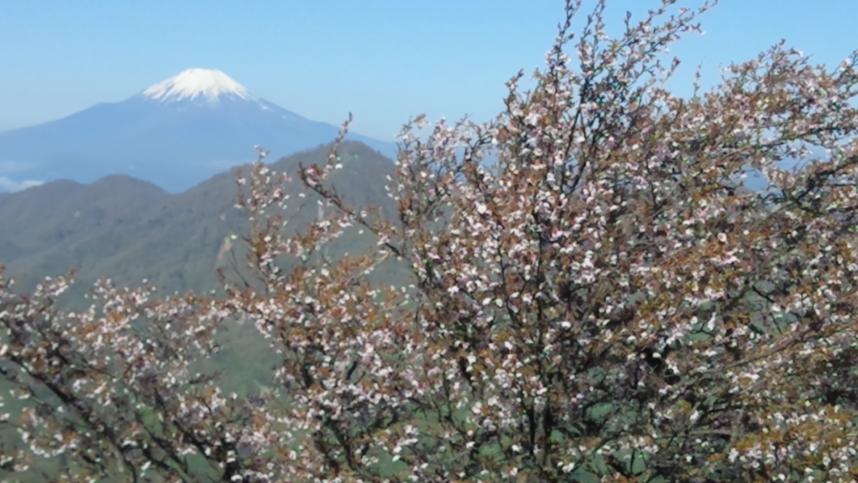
<point>587,287</point>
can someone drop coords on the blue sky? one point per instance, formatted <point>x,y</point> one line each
<point>384,60</point>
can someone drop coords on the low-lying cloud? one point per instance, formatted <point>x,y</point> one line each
<point>9,185</point>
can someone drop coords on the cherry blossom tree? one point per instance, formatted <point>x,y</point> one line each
<point>607,281</point>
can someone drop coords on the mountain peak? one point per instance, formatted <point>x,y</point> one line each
<point>190,84</point>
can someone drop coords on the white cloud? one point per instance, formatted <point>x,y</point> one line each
<point>10,185</point>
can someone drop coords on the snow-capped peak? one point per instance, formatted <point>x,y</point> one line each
<point>209,84</point>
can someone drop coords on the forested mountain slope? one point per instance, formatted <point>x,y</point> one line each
<point>131,230</point>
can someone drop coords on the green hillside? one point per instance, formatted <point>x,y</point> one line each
<point>131,230</point>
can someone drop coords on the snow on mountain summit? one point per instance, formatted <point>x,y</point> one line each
<point>175,134</point>
<point>190,84</point>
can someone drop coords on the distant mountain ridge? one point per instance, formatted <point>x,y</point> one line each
<point>175,134</point>
<point>130,230</point>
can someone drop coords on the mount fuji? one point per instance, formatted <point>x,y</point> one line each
<point>175,134</point>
